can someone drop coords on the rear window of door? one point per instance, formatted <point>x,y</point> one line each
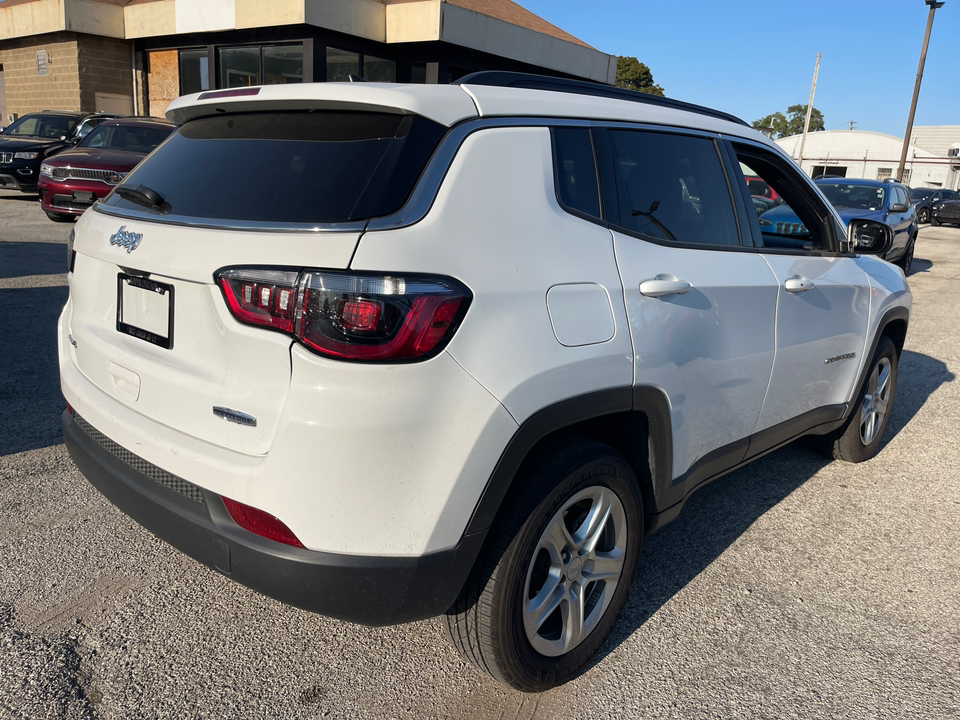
<point>667,188</point>
<point>287,167</point>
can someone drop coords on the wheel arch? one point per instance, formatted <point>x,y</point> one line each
<point>633,421</point>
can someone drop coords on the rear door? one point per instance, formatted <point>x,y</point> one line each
<point>701,305</point>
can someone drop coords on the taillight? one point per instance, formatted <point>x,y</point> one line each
<point>260,523</point>
<point>350,316</point>
<point>261,297</point>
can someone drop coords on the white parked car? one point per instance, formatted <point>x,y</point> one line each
<point>386,352</point>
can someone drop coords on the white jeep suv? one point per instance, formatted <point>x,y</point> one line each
<point>386,352</point>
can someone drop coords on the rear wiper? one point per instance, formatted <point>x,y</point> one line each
<point>142,195</point>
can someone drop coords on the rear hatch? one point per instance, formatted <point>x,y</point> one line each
<point>264,190</point>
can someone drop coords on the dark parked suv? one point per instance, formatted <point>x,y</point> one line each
<point>925,198</point>
<point>35,137</point>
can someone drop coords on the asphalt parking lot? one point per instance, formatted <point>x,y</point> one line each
<point>793,588</point>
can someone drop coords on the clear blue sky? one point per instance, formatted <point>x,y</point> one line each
<point>755,57</point>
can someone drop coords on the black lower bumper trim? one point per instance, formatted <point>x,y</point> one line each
<point>361,589</point>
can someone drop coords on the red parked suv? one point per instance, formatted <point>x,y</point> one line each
<point>73,180</point>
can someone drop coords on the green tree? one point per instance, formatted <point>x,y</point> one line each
<point>634,75</point>
<point>779,125</point>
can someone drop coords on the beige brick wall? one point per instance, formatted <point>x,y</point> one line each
<point>106,66</point>
<point>79,66</point>
<point>28,92</point>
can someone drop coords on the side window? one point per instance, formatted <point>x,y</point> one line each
<point>902,196</point>
<point>669,188</point>
<point>787,214</point>
<point>576,170</point>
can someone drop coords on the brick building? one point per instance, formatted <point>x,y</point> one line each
<point>135,56</point>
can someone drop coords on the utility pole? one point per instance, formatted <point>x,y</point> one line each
<point>852,123</point>
<point>806,123</point>
<point>933,5</point>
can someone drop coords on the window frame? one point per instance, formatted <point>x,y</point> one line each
<point>609,203</point>
<point>833,230</point>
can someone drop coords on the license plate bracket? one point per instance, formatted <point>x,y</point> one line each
<point>84,197</point>
<point>145,309</point>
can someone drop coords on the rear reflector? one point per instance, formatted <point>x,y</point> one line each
<point>261,523</point>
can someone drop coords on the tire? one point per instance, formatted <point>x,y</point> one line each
<point>61,217</point>
<point>860,438</point>
<point>516,618</point>
<point>906,260</point>
<point>923,216</point>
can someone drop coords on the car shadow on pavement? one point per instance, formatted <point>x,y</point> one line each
<point>919,265</point>
<point>30,383</point>
<point>32,197</point>
<point>22,259</point>
<point>718,514</point>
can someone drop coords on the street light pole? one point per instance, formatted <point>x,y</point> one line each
<point>933,5</point>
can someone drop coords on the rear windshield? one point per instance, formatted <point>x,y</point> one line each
<point>287,167</point>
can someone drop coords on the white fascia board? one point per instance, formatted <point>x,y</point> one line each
<point>445,104</point>
<point>33,18</point>
<point>93,18</point>
<point>360,18</point>
<point>497,37</point>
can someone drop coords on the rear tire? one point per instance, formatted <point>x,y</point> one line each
<point>556,571</point>
<point>860,437</point>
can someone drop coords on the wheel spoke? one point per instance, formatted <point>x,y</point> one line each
<point>604,566</point>
<point>542,606</point>
<point>883,381</point>
<point>557,539</point>
<point>881,408</point>
<point>572,613</point>
<point>588,533</point>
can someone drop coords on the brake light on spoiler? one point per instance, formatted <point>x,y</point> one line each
<point>349,316</point>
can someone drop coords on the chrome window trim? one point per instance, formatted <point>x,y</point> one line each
<point>217,224</point>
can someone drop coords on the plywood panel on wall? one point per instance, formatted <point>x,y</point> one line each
<point>163,80</point>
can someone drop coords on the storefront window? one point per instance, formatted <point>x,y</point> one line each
<point>263,65</point>
<point>239,67</point>
<point>418,72</point>
<point>379,70</point>
<point>194,71</point>
<point>282,64</point>
<point>341,64</point>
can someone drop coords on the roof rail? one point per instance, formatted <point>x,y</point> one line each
<point>502,78</point>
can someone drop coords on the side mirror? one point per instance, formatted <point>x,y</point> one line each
<point>869,237</point>
<point>898,207</point>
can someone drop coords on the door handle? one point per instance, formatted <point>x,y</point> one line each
<point>798,283</point>
<point>663,285</point>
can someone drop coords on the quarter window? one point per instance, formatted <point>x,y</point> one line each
<point>576,170</point>
<point>670,188</point>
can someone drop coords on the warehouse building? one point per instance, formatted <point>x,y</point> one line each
<point>136,56</point>
<point>932,157</point>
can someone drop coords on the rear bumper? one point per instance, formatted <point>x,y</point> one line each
<point>361,589</point>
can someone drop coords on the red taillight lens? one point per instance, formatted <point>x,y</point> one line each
<point>261,297</point>
<point>350,316</point>
<point>261,523</point>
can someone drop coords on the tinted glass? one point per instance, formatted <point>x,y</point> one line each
<point>130,138</point>
<point>920,193</point>
<point>282,64</point>
<point>854,197</point>
<point>379,70</point>
<point>576,170</point>
<point>239,67</point>
<point>672,188</point>
<point>295,167</point>
<point>341,64</point>
<point>194,71</point>
<point>46,126</point>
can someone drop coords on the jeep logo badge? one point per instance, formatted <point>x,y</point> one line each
<point>123,238</point>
